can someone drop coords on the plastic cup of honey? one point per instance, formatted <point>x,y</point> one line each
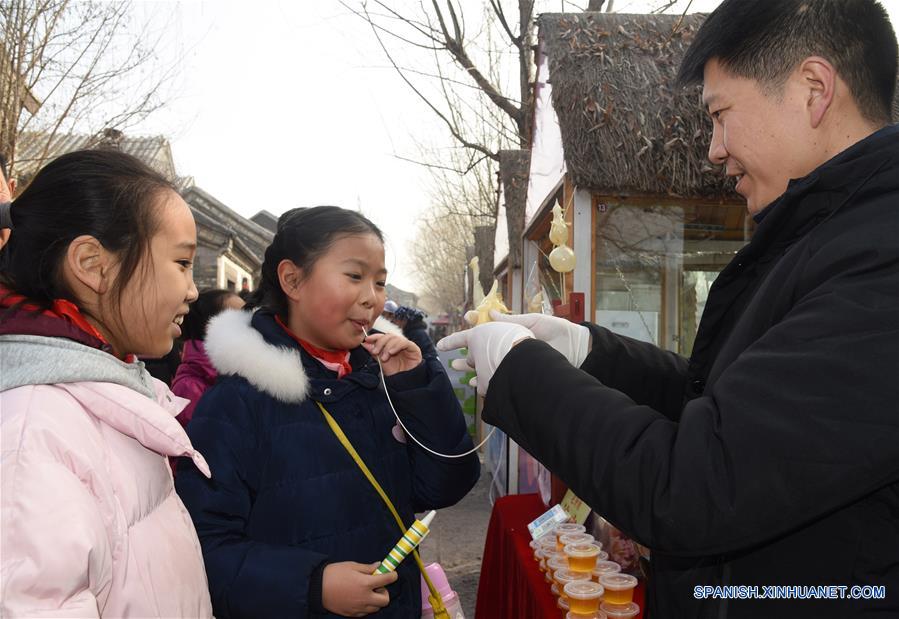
<point>565,576</point>
<point>583,596</point>
<point>619,588</point>
<point>564,529</point>
<point>597,615</point>
<point>569,527</point>
<point>535,546</point>
<point>576,538</point>
<point>556,562</point>
<point>582,557</point>
<point>605,567</point>
<point>547,542</point>
<point>541,558</point>
<point>619,611</point>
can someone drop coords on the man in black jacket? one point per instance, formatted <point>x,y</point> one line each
<point>771,456</point>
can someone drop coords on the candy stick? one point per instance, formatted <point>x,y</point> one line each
<point>407,543</point>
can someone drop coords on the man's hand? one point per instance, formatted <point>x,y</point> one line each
<point>487,345</point>
<point>397,354</point>
<point>569,338</point>
<point>350,590</point>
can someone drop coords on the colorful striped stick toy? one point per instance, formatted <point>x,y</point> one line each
<point>408,542</point>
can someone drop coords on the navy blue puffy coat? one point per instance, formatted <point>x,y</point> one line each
<point>285,497</point>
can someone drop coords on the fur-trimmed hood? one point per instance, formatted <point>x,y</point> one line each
<point>235,347</point>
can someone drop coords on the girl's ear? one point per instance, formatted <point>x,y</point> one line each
<point>290,276</point>
<point>90,263</point>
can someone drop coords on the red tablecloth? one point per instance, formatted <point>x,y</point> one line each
<point>512,585</point>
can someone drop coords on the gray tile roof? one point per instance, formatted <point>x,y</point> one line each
<point>267,220</point>
<point>35,149</point>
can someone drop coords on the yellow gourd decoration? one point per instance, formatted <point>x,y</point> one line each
<point>493,301</point>
<point>562,258</point>
<point>535,305</point>
<point>558,229</point>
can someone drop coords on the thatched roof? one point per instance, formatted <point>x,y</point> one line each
<point>626,128</point>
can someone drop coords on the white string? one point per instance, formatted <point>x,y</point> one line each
<point>410,435</point>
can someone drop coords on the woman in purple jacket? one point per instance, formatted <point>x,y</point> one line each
<point>196,374</point>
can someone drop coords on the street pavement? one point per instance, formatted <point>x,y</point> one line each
<point>456,541</point>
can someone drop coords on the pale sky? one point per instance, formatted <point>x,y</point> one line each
<point>283,103</point>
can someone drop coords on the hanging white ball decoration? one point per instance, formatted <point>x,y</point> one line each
<point>562,259</point>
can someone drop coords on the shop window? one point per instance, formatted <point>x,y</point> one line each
<point>656,262</point>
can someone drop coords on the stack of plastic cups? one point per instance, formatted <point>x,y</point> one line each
<point>582,557</point>
<point>553,558</point>
<point>618,600</point>
<point>558,562</point>
<point>540,542</point>
<point>541,558</point>
<point>583,597</point>
<point>548,541</point>
<point>564,529</point>
<point>619,611</point>
<point>564,577</point>
<point>604,567</point>
<point>535,546</point>
<point>575,538</point>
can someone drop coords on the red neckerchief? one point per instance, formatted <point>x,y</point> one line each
<point>60,308</point>
<point>337,360</point>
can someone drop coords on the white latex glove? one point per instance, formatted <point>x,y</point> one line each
<point>487,346</point>
<point>569,338</point>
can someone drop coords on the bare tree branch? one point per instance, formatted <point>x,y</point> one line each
<point>482,119</point>
<point>453,130</point>
<point>80,62</point>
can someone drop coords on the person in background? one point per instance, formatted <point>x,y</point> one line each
<point>390,308</point>
<point>97,270</point>
<point>164,368</point>
<point>771,455</point>
<point>196,373</point>
<point>412,322</point>
<point>290,526</point>
<point>7,191</point>
<point>245,291</point>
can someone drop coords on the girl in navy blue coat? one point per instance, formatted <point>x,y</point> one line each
<point>289,525</point>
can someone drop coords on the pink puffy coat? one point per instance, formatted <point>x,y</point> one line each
<point>91,525</point>
<point>194,376</point>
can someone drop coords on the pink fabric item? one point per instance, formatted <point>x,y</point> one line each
<point>194,376</point>
<point>91,525</point>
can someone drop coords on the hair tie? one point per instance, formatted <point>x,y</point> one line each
<point>6,215</point>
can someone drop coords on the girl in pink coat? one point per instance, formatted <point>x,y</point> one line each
<point>196,373</point>
<point>97,270</point>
